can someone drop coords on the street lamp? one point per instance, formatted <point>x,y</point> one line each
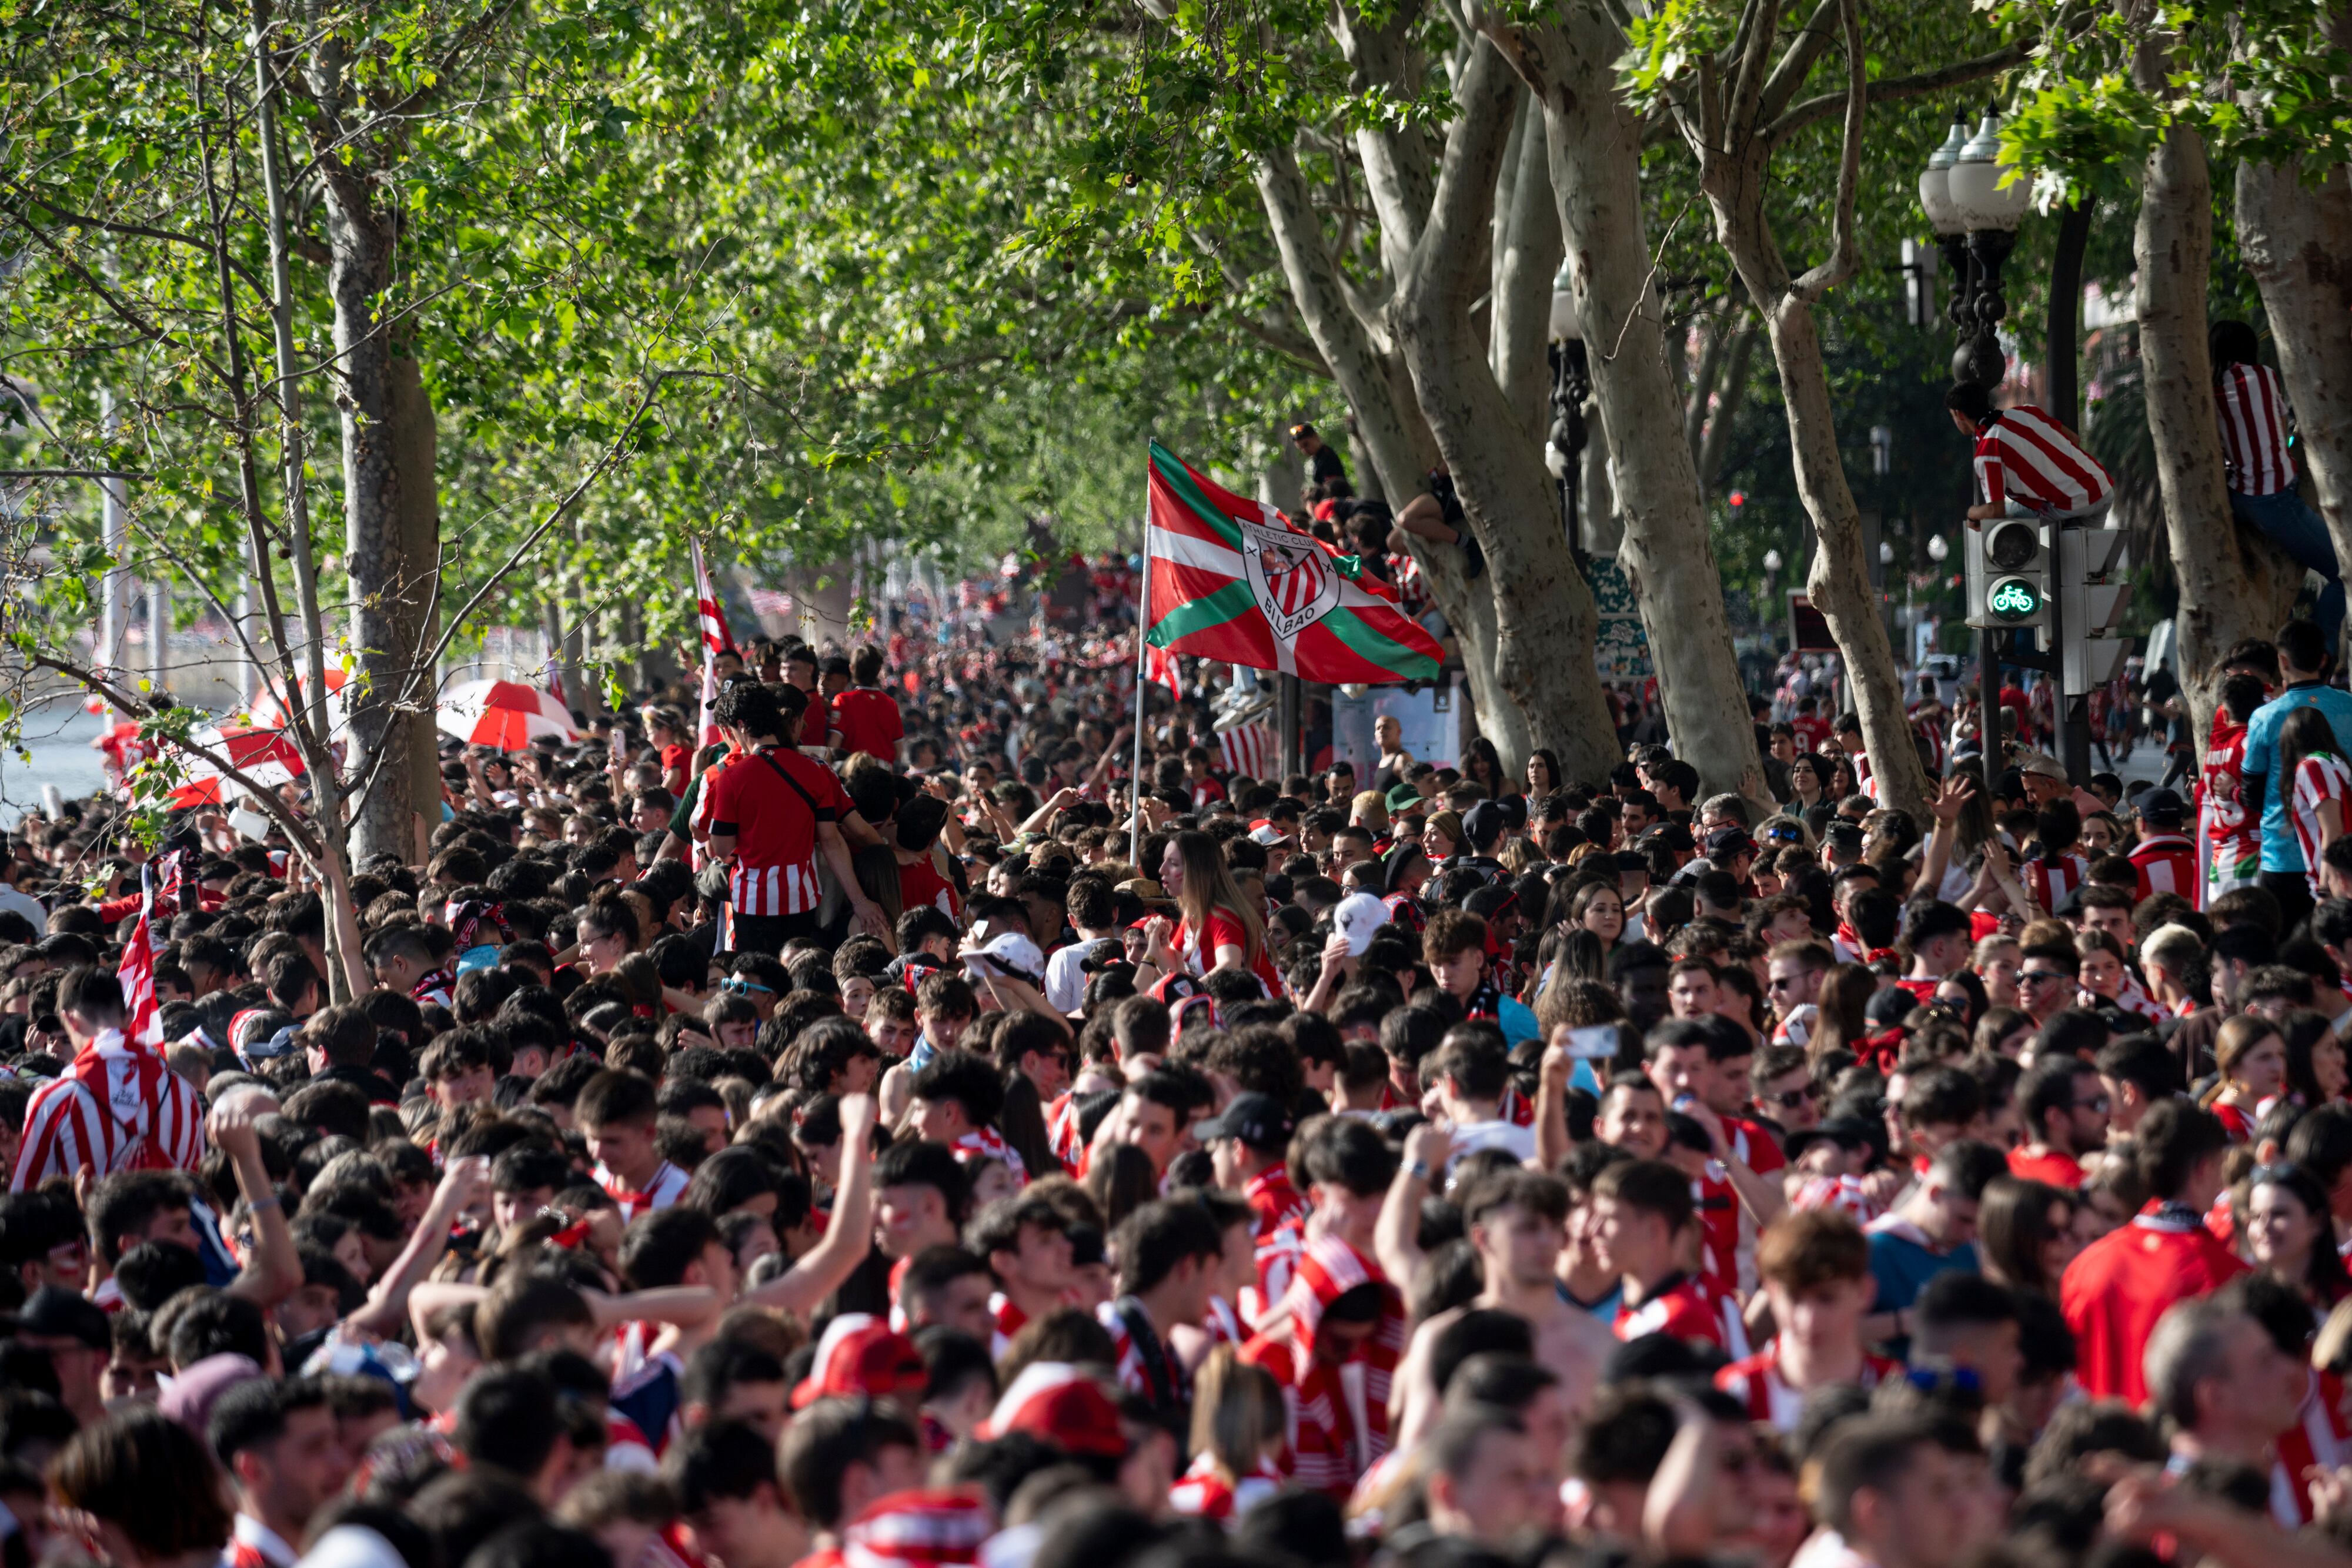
<point>1937,550</point>
<point>1988,211</point>
<point>1572,383</point>
<point>1882,450</point>
<point>1952,234</point>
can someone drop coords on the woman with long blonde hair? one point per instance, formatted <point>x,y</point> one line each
<point>1237,1431</point>
<point>1220,928</point>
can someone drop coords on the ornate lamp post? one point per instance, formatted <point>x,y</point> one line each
<point>1989,213</point>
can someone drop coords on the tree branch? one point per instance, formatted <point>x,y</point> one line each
<point>1846,255</point>
<point>1887,90</point>
<point>1798,62</point>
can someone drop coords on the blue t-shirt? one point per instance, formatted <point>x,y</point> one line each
<point>2280,850</point>
<point>1605,1309</point>
<point>1902,1268</point>
<point>1518,1021</point>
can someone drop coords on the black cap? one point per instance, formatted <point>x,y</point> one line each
<point>1729,842</point>
<point>1257,1120</point>
<point>2163,808</point>
<point>1483,824</point>
<point>53,1310</point>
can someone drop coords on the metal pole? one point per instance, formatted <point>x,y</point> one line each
<point>1142,629</point>
<point>1290,705</point>
<point>1989,709</point>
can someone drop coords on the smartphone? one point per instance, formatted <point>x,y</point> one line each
<point>1593,1042</point>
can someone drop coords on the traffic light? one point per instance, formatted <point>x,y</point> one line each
<point>2091,572</point>
<point>2009,574</point>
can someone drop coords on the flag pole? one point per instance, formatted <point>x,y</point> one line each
<point>1142,654</point>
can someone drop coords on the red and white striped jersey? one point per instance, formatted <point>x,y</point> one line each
<point>988,1144</point>
<point>2318,780</point>
<point>668,1184</point>
<point>2252,406</point>
<point>1247,748</point>
<point>2050,881</point>
<point>253,1544</point>
<point>1839,1192</point>
<point>116,1108</point>
<point>2167,863</point>
<point>2319,1438</point>
<point>2024,456</point>
<point>1755,1382</point>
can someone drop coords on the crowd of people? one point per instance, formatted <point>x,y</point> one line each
<point>876,1137</point>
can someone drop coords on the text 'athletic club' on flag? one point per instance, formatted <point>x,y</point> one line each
<point>1233,581</point>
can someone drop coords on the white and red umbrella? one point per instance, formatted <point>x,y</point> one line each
<point>504,714</point>
<point>267,713</point>
<point>265,755</point>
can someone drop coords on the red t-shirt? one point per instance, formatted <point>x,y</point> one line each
<point>2114,1291</point>
<point>919,883</point>
<point>2059,1170</point>
<point>867,719</point>
<point>771,802</point>
<point>1227,931</point>
<point>1685,1308</point>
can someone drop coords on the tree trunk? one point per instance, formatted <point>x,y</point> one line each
<point>1595,148</point>
<point>361,239</point>
<point>1838,584</point>
<point>1393,441</point>
<point>2297,242</point>
<point>1544,616</point>
<point>415,445</point>
<point>2172,243</point>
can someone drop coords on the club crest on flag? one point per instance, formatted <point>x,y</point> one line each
<point>1292,578</point>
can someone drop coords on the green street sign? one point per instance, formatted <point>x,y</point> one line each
<point>2013,599</point>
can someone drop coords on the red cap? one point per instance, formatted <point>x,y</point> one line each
<point>1057,1402</point>
<point>861,1354</point>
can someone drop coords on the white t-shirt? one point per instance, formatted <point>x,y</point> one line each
<point>1066,982</point>
<point>1469,1137</point>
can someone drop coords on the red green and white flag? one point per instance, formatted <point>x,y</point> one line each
<point>1231,580</point>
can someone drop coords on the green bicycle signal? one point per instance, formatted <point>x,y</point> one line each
<point>2013,599</point>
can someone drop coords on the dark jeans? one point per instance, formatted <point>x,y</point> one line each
<point>2287,522</point>
<point>768,932</point>
<point>2292,890</point>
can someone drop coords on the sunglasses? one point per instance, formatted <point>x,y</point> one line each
<point>741,987</point>
<point>1789,1098</point>
<point>2039,976</point>
<point>2095,1102</point>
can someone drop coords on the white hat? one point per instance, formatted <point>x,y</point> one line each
<point>1356,918</point>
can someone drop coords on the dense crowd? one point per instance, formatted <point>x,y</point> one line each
<point>874,1137</point>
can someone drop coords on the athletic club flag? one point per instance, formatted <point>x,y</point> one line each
<point>715,638</point>
<point>1233,579</point>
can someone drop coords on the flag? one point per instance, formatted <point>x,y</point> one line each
<point>1159,667</point>
<point>136,974</point>
<point>715,635</point>
<point>1249,748</point>
<point>1233,579</point>
<point>716,641</point>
